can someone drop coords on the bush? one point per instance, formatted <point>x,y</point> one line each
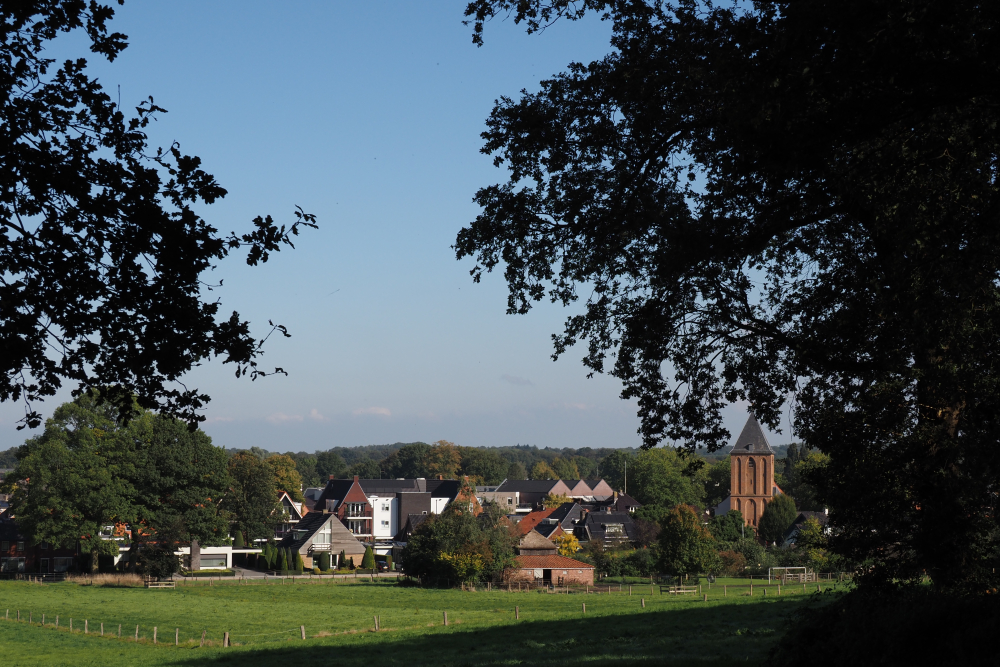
<point>282,563</point>
<point>350,563</point>
<point>158,562</point>
<point>388,561</point>
<point>733,563</point>
<point>238,542</point>
<point>316,570</point>
<point>368,560</point>
<point>342,560</point>
<point>324,561</point>
<point>299,565</point>
<point>777,518</point>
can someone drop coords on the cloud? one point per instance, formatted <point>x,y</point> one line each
<point>383,412</point>
<point>519,381</point>
<point>281,418</point>
<point>315,415</point>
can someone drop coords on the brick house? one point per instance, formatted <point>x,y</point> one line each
<point>17,556</point>
<point>322,531</point>
<point>538,563</point>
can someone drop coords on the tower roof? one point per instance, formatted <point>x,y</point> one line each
<point>752,440</point>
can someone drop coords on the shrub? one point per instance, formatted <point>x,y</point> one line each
<point>158,562</point>
<point>388,561</point>
<point>316,570</point>
<point>342,561</point>
<point>778,516</point>
<point>299,565</point>
<point>238,542</point>
<point>282,563</point>
<point>324,561</point>
<point>350,563</point>
<point>368,560</point>
<point>733,563</point>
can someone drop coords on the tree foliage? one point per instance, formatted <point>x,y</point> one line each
<point>778,516</point>
<point>286,475</point>
<point>770,199</point>
<point>253,497</point>
<point>686,547</point>
<point>102,248</point>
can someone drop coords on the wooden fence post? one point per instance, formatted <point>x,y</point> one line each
<point>643,600</point>
<point>225,640</point>
<point>102,628</point>
<point>584,607</point>
<point>119,631</point>
<point>154,634</point>
<point>136,632</point>
<point>203,637</point>
<point>446,618</point>
<point>517,613</point>
<point>43,619</point>
<point>630,590</point>
<point>71,624</point>
<point>302,628</point>
<point>57,621</point>
<point>705,598</point>
<point>86,626</point>
<point>177,636</point>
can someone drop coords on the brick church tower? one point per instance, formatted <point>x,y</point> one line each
<point>752,473</point>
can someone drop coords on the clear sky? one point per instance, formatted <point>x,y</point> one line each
<point>367,114</point>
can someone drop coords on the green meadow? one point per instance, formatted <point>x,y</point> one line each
<point>264,622</point>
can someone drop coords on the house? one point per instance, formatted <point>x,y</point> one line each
<point>373,509</point>
<point>561,521</point>
<point>293,511</point>
<point>608,527</point>
<point>531,492</point>
<point>528,522</point>
<point>539,563</point>
<point>792,534</point>
<point>600,489</point>
<point>322,531</point>
<point>619,502</point>
<point>17,556</point>
<point>578,489</point>
<point>508,500</point>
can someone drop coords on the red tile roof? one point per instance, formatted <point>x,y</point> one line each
<point>551,562</point>
<point>532,519</point>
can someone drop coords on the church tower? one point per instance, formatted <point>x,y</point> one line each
<point>752,473</point>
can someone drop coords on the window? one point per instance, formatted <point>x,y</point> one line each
<point>323,535</point>
<point>5,545</point>
<point>45,546</point>
<point>385,508</point>
<point>385,524</point>
<point>613,528</point>
<point>355,509</point>
<point>213,562</point>
<point>12,565</point>
<point>510,501</point>
<point>20,546</point>
<point>61,564</point>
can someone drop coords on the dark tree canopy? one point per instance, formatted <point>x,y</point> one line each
<point>757,201</point>
<point>101,250</point>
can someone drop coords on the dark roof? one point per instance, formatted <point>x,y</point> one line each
<point>551,562</point>
<point>567,514</point>
<point>593,525</point>
<point>335,489</point>
<point>752,440</point>
<point>444,488</point>
<point>310,523</point>
<point>393,485</point>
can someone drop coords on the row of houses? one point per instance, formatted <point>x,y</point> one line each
<point>344,516</point>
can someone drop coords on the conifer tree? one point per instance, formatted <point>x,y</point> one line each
<point>238,542</point>
<point>368,560</point>
<point>324,561</point>
<point>342,561</point>
<point>282,563</point>
<point>299,565</point>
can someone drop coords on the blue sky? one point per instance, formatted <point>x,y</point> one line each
<point>367,115</point>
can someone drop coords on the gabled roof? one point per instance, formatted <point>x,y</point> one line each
<point>534,541</point>
<point>551,563</point>
<point>599,488</point>
<point>549,530</point>
<point>532,519</point>
<point>290,505</point>
<point>752,440</point>
<point>578,487</point>
<point>594,524</point>
<point>341,539</point>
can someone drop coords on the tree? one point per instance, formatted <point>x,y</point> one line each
<point>614,467</point>
<point>238,542</point>
<point>551,501</point>
<point>102,246</point>
<point>660,477</point>
<point>729,527</point>
<point>342,561</point>
<point>516,471</point>
<point>299,565</point>
<point>443,459</point>
<point>366,469</point>
<point>368,560</point>
<point>565,468</point>
<point>717,479</point>
<point>409,461</point>
<point>324,561</point>
<point>774,199</point>
<point>329,463</point>
<point>567,544</point>
<point>282,564</point>
<point>286,475</point>
<point>777,518</point>
<point>306,467</point>
<point>686,547</point>
<point>484,464</point>
<point>253,497</point>
<point>542,470</point>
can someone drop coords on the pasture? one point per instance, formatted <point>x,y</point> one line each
<point>339,619</point>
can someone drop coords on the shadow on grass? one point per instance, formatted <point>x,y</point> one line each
<point>714,634</point>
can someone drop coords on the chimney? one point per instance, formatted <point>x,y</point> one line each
<point>439,477</point>
<point>331,476</point>
<point>355,479</point>
<point>826,511</point>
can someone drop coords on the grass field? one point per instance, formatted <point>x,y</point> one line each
<point>264,622</point>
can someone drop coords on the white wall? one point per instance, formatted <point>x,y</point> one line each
<point>438,505</point>
<point>385,516</point>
